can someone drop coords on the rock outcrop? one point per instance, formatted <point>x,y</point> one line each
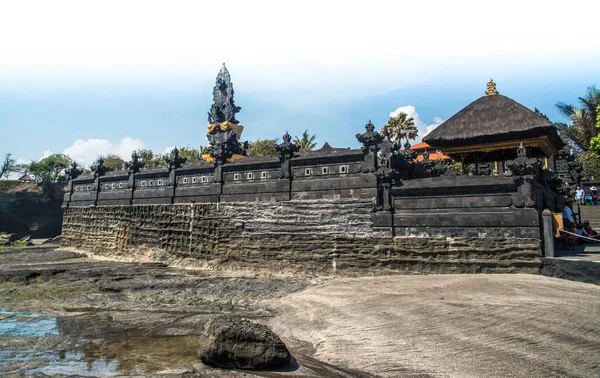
<point>233,342</point>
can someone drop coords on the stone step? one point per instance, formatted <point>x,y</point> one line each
<point>591,214</point>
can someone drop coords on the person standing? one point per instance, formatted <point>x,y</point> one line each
<point>594,195</point>
<point>580,195</point>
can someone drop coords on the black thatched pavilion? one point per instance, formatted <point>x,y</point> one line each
<point>492,128</point>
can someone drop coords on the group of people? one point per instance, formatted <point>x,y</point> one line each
<point>576,232</point>
<point>582,197</point>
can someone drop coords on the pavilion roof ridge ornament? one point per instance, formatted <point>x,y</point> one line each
<point>491,88</point>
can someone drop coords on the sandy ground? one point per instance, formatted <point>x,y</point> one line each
<point>448,325</point>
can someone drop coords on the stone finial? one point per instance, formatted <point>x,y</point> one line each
<point>73,172</point>
<point>370,137</point>
<point>287,149</point>
<point>135,165</point>
<point>173,160</point>
<point>99,168</point>
<point>491,88</point>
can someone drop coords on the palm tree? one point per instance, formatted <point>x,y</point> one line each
<point>307,142</point>
<point>582,128</point>
<point>401,127</point>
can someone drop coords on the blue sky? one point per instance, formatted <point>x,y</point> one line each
<point>87,78</point>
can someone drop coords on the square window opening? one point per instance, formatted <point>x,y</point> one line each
<point>185,180</point>
<point>159,182</point>
<point>307,172</point>
<point>263,175</point>
<point>120,185</point>
<point>143,183</point>
<point>343,169</point>
<point>150,183</point>
<point>113,186</point>
<point>105,186</point>
<point>324,170</point>
<point>194,180</point>
<point>236,176</point>
<point>250,176</point>
<point>203,178</point>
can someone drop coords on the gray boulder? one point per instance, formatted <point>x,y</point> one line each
<point>236,343</point>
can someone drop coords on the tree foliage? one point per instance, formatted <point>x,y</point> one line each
<point>590,161</point>
<point>114,162</point>
<point>9,165</point>
<point>264,147</point>
<point>595,141</point>
<point>189,153</point>
<point>582,128</point>
<point>401,127</point>
<point>51,168</point>
<point>307,142</point>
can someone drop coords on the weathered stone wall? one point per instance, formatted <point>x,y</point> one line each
<point>317,236</point>
<point>31,213</point>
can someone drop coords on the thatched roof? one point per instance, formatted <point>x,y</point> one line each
<point>490,119</point>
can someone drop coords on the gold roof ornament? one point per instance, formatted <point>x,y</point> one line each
<point>491,88</point>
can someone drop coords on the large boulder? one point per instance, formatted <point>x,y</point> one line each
<point>233,342</point>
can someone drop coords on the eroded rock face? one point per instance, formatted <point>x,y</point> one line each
<point>233,342</point>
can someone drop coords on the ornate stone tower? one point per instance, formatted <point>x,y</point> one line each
<point>223,108</point>
<point>223,129</point>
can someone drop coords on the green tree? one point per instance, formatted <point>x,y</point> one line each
<point>595,141</point>
<point>590,161</point>
<point>582,128</point>
<point>307,142</point>
<point>265,147</point>
<point>145,155</point>
<point>114,162</point>
<point>189,153</point>
<point>401,127</point>
<point>51,168</point>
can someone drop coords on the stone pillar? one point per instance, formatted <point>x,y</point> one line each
<point>97,184</point>
<point>131,184</point>
<point>172,184</point>
<point>547,233</point>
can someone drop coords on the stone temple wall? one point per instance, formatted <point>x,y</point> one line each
<point>319,236</point>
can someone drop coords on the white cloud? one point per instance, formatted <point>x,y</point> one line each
<point>86,151</point>
<point>167,150</point>
<point>69,38</point>
<point>423,128</point>
<point>46,154</point>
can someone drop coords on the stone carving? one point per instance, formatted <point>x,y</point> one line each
<point>73,172</point>
<point>223,108</point>
<point>223,129</point>
<point>286,149</point>
<point>223,144</point>
<point>370,140</point>
<point>173,160</point>
<point>523,165</point>
<point>135,165</point>
<point>99,168</point>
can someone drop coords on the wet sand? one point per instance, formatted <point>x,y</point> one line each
<point>127,318</point>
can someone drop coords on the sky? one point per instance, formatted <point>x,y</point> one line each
<point>89,78</point>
